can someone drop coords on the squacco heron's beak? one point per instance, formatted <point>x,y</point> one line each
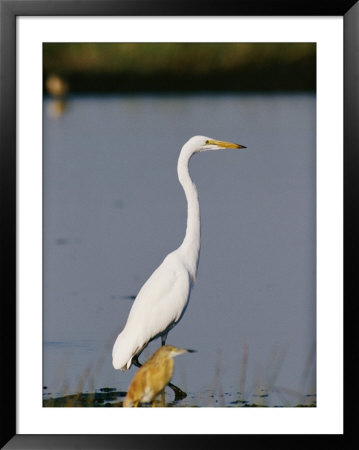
<point>179,351</point>
<point>224,144</point>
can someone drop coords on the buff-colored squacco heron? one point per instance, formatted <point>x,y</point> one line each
<point>153,376</point>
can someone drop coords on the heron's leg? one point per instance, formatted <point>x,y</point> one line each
<point>136,404</point>
<point>179,394</point>
<point>136,362</point>
<point>163,339</point>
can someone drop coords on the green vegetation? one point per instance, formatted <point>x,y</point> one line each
<point>179,67</point>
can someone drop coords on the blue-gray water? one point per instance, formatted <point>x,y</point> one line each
<point>113,209</point>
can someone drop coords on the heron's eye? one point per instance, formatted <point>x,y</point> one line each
<point>207,142</point>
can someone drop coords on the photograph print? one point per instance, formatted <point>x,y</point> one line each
<point>179,205</point>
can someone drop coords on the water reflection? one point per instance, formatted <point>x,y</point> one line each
<point>58,89</point>
<point>56,107</point>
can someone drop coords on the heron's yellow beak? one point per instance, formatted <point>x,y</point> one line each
<point>224,144</point>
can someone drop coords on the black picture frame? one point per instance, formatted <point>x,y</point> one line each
<point>9,10</point>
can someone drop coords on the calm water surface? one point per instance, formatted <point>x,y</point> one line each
<point>113,209</point>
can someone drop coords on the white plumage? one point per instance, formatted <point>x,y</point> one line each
<point>163,298</point>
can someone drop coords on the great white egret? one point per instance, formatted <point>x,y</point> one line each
<point>151,379</point>
<point>163,298</point>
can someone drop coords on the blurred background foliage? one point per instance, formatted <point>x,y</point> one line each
<point>172,67</point>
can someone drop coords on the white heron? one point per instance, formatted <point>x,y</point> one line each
<point>163,298</point>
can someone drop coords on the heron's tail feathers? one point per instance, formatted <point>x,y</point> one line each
<point>124,349</point>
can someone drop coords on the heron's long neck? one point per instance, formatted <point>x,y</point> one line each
<point>191,243</point>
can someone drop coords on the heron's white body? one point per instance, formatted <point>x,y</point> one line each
<point>158,306</point>
<point>163,298</point>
